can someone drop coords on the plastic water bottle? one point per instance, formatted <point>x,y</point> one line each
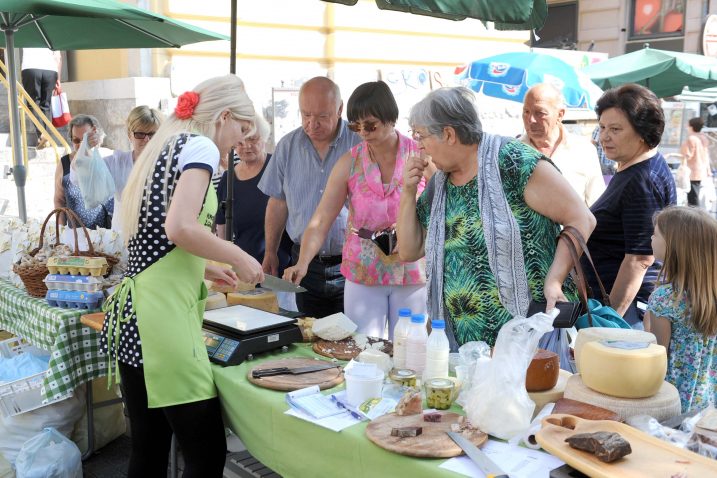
<point>416,344</point>
<point>437,350</point>
<point>400,334</point>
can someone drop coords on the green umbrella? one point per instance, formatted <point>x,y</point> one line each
<point>666,73</point>
<point>80,25</point>
<point>507,14</point>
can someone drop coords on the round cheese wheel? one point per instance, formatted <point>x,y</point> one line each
<point>215,301</point>
<point>663,405</point>
<point>615,369</point>
<point>552,395</point>
<point>543,371</point>
<point>257,298</point>
<point>592,334</point>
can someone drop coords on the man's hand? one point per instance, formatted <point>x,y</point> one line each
<point>270,265</point>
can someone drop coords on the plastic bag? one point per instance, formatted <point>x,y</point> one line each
<point>558,341</point>
<point>92,176</point>
<point>497,401</point>
<point>49,455</point>
<point>682,177</point>
<point>708,195</point>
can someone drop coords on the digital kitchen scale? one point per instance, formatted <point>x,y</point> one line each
<point>232,334</point>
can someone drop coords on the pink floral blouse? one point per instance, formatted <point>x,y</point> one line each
<point>375,206</point>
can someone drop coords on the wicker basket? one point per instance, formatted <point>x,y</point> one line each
<point>33,275</point>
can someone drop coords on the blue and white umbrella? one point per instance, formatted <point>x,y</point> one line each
<point>509,76</point>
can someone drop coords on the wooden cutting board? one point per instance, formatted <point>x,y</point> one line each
<point>323,378</point>
<point>433,442</point>
<point>566,406</point>
<point>96,320</point>
<point>650,457</point>
<point>347,349</point>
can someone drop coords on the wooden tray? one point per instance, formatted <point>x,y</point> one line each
<point>347,349</point>
<point>566,406</point>
<point>432,443</point>
<point>323,378</point>
<point>96,320</point>
<point>650,456</point>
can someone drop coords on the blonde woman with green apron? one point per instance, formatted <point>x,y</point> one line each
<point>152,333</point>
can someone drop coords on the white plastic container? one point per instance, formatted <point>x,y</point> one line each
<point>25,394</point>
<point>361,388</point>
<point>400,334</point>
<point>416,344</point>
<point>437,350</point>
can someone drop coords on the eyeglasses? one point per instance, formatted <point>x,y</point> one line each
<point>141,135</point>
<point>368,126</point>
<point>247,141</point>
<point>418,136</point>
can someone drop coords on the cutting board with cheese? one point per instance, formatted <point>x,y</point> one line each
<point>433,442</point>
<point>349,348</point>
<point>287,382</point>
<point>650,457</point>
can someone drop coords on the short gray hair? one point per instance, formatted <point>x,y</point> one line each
<point>86,120</point>
<point>449,106</point>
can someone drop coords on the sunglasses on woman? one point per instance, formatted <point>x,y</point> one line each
<point>141,135</point>
<point>368,126</point>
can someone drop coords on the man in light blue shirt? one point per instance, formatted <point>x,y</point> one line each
<point>295,180</point>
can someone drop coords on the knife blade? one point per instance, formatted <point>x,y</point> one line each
<point>485,464</point>
<point>268,372</point>
<point>280,285</point>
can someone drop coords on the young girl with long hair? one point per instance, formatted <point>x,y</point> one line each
<point>682,310</point>
<point>152,332</point>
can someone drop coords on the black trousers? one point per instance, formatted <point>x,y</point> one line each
<point>197,426</point>
<point>693,197</point>
<point>39,84</point>
<point>324,286</point>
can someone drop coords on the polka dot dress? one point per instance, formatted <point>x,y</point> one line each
<point>148,246</point>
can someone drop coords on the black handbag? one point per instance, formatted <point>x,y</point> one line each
<point>384,239</point>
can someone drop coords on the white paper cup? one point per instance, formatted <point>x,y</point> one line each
<point>360,389</point>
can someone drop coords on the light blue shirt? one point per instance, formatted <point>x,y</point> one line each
<point>297,175</point>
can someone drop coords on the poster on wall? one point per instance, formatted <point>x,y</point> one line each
<point>677,114</point>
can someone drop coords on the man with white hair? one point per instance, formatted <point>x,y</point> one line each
<point>575,156</point>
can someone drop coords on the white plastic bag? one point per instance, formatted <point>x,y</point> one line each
<point>708,195</point>
<point>682,177</point>
<point>91,174</point>
<point>49,455</point>
<point>497,401</point>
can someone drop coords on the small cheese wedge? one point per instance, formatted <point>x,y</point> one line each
<point>615,368</point>
<point>381,359</point>
<point>257,298</point>
<point>334,327</point>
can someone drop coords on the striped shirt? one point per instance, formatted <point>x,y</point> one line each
<point>624,221</point>
<point>296,174</point>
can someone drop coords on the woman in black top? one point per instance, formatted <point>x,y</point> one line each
<point>249,204</point>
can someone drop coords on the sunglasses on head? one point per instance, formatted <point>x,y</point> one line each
<point>368,126</point>
<point>141,135</point>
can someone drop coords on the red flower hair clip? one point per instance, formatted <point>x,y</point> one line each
<point>186,103</point>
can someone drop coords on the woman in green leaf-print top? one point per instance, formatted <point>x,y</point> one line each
<point>448,128</point>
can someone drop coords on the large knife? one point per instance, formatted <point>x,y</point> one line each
<point>485,464</point>
<point>280,285</point>
<point>268,372</point>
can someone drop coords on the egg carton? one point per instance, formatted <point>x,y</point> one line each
<point>73,282</point>
<point>78,265</point>
<point>74,299</point>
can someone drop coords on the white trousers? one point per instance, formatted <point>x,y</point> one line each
<point>371,307</point>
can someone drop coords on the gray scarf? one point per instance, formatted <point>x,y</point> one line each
<point>502,237</point>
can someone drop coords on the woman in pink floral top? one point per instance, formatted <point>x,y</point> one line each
<point>370,177</point>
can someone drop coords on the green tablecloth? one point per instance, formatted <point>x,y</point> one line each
<point>74,347</point>
<point>296,448</point>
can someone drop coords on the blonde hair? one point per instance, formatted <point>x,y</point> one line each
<point>143,117</point>
<point>216,95</point>
<point>263,130</point>
<point>691,262</point>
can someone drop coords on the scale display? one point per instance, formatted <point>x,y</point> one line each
<point>232,334</point>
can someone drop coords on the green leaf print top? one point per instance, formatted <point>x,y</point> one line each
<point>470,293</point>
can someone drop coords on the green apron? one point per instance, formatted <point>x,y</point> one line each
<point>168,298</point>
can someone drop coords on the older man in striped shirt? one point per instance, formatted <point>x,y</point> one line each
<point>295,180</point>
